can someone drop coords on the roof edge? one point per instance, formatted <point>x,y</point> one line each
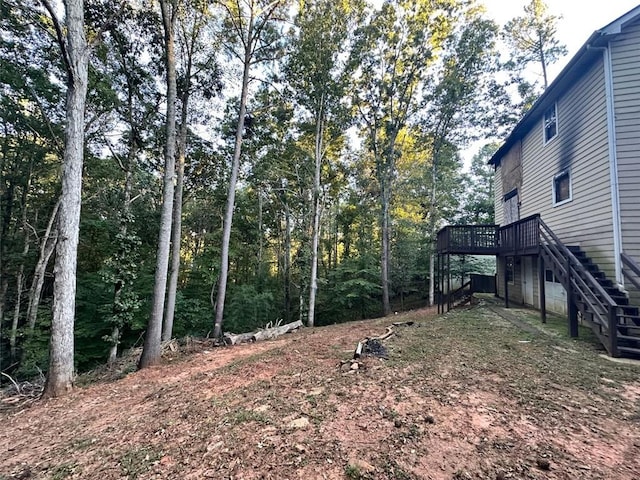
<point>585,54</point>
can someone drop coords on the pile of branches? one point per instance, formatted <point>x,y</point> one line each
<point>20,394</point>
<point>371,346</point>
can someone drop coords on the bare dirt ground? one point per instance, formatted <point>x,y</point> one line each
<point>466,395</point>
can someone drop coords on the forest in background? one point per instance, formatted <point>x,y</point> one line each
<point>243,161</point>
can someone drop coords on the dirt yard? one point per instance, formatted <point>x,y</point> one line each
<point>472,394</point>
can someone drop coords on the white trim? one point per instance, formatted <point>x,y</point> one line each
<point>553,188</point>
<point>544,126</point>
<point>613,164</point>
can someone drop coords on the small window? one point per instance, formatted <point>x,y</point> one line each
<point>550,277</point>
<point>509,271</point>
<point>562,188</point>
<point>550,123</point>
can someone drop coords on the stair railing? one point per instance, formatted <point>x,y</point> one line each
<point>631,264</point>
<point>567,267</point>
<point>458,294</point>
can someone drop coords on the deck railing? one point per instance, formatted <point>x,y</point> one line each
<point>521,237</point>
<point>531,236</point>
<point>468,239</point>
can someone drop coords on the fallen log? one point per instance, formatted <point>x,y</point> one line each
<point>268,332</point>
<point>234,339</point>
<point>276,331</point>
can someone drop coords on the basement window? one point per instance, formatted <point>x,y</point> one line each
<point>550,277</point>
<point>562,188</point>
<point>550,123</point>
<point>510,269</point>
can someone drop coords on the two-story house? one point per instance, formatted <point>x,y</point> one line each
<point>567,194</point>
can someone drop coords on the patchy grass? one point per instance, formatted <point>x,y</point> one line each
<point>476,393</point>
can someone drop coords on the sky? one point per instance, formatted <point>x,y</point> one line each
<point>580,18</point>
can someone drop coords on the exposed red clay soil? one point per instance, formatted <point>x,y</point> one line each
<point>440,407</point>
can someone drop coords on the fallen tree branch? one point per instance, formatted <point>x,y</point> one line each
<point>16,386</point>
<point>372,346</point>
<point>270,331</point>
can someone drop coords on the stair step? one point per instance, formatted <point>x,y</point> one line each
<point>630,311</point>
<point>635,351</point>
<point>629,338</point>
<point>620,300</point>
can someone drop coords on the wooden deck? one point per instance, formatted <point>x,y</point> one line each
<point>518,238</point>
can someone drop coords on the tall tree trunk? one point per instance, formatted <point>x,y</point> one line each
<point>151,350</point>
<point>13,334</point>
<point>231,194</point>
<point>76,50</point>
<point>126,211</point>
<point>287,263</point>
<point>47,246</point>
<point>316,215</point>
<point>176,236</point>
<point>432,232</point>
<point>384,256</point>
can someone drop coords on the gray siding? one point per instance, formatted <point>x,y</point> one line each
<point>582,147</point>
<point>625,59</point>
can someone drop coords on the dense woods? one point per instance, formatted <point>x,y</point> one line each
<point>242,162</point>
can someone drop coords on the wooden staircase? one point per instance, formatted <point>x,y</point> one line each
<point>592,296</point>
<point>627,316</point>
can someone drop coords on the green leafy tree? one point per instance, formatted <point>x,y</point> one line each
<point>252,39</point>
<point>479,206</point>
<point>391,59</point>
<point>532,38</point>
<point>318,78</point>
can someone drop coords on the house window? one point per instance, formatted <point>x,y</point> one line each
<point>509,272</point>
<point>562,188</point>
<point>550,123</point>
<point>550,277</point>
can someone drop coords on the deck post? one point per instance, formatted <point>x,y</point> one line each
<point>613,332</point>
<point>573,317</point>
<point>506,281</point>
<point>448,282</point>
<point>572,308</point>
<point>436,282</point>
<point>541,290</point>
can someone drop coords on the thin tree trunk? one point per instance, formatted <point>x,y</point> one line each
<point>316,216</point>
<point>151,350</point>
<point>126,210</point>
<point>543,62</point>
<point>287,263</point>
<point>231,194</point>
<point>176,236</point>
<point>432,228</point>
<point>61,366</point>
<point>47,246</point>
<point>384,262</point>
<point>13,334</point>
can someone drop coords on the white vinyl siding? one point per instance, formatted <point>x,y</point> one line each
<point>581,146</point>
<point>625,59</point>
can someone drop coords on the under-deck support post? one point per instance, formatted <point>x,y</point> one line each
<point>572,308</point>
<point>448,282</point>
<point>506,282</point>
<point>613,332</point>
<point>541,290</point>
<point>436,283</point>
